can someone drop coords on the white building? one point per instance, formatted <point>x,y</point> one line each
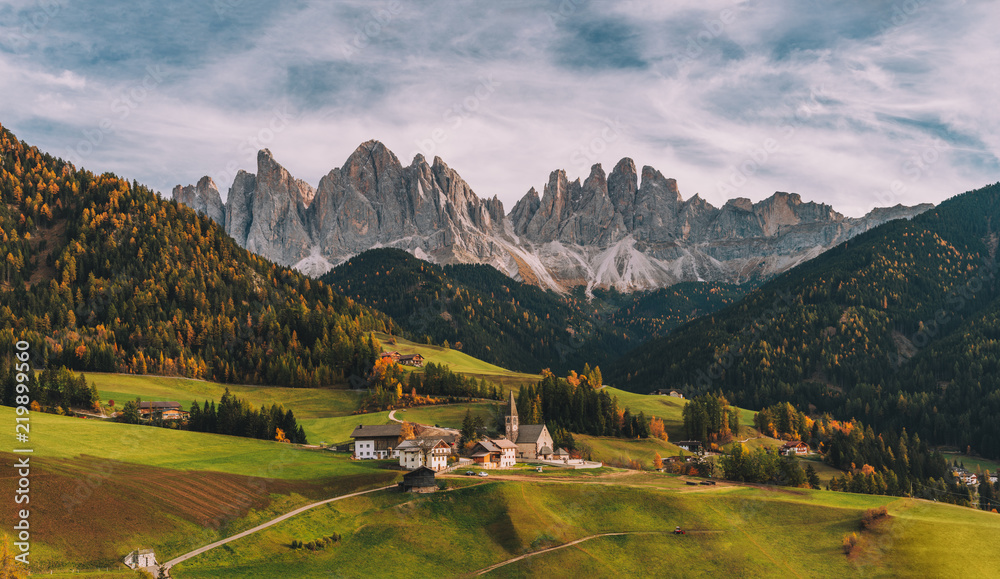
<point>498,453</point>
<point>430,452</point>
<point>376,441</point>
<point>140,558</point>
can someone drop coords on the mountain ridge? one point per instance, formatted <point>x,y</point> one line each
<point>625,229</point>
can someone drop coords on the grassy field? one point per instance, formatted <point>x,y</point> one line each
<point>972,464</point>
<point>735,531</point>
<point>605,449</point>
<point>305,402</point>
<point>459,362</point>
<point>62,437</point>
<point>100,489</point>
<point>447,416</point>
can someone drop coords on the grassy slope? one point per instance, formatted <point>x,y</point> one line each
<point>459,362</point>
<point>447,416</point>
<point>756,533</point>
<point>101,488</point>
<point>305,402</point>
<point>62,437</point>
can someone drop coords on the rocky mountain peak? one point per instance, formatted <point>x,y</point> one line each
<point>610,229</point>
<point>203,198</point>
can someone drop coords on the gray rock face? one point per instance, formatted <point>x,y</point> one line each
<point>610,230</point>
<point>203,198</point>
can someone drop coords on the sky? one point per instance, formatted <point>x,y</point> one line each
<point>857,104</point>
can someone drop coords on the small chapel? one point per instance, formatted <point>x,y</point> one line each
<point>532,440</point>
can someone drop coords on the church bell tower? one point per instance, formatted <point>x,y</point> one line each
<point>511,421</point>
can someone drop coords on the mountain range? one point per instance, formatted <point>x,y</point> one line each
<point>621,229</point>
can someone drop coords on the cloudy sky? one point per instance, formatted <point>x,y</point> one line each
<point>856,104</point>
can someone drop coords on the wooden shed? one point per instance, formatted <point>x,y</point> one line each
<point>420,480</point>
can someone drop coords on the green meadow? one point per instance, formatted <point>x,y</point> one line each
<point>458,361</point>
<point>305,402</point>
<point>64,437</point>
<point>733,531</point>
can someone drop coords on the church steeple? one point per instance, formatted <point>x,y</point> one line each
<point>510,422</point>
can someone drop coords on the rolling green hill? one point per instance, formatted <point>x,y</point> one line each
<point>733,531</point>
<point>100,489</point>
<point>895,327</point>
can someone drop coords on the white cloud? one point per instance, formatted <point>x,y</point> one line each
<point>887,89</point>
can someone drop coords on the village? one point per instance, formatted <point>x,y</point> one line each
<point>437,450</point>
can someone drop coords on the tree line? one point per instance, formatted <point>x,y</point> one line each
<point>577,404</point>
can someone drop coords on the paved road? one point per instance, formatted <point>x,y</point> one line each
<point>288,515</point>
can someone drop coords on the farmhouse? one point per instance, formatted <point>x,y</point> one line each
<point>665,392</point>
<point>376,441</point>
<point>415,360</point>
<point>690,445</point>
<point>140,558</point>
<point>423,452</point>
<point>420,480</point>
<point>794,447</point>
<point>532,440</point>
<point>164,410</point>
<point>497,453</point>
<point>394,356</point>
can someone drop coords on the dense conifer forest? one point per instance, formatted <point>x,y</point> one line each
<point>102,274</point>
<point>513,324</point>
<point>896,327</point>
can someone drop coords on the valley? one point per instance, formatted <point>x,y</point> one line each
<point>871,355</point>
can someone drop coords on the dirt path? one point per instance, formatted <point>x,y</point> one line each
<point>564,545</point>
<point>392,417</point>
<point>275,521</point>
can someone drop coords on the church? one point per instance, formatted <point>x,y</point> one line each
<point>532,440</point>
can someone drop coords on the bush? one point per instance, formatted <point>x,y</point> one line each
<point>873,516</point>
<point>850,542</point>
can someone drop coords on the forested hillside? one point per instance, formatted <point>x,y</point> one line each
<point>513,324</point>
<point>102,274</point>
<point>477,309</point>
<point>895,327</point>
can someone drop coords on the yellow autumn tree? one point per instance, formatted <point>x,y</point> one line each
<point>657,461</point>
<point>9,567</point>
<point>279,435</point>
<point>656,429</point>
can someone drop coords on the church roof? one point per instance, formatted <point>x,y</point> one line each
<point>529,433</point>
<point>512,410</point>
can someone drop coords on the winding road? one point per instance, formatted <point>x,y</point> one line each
<point>275,521</point>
